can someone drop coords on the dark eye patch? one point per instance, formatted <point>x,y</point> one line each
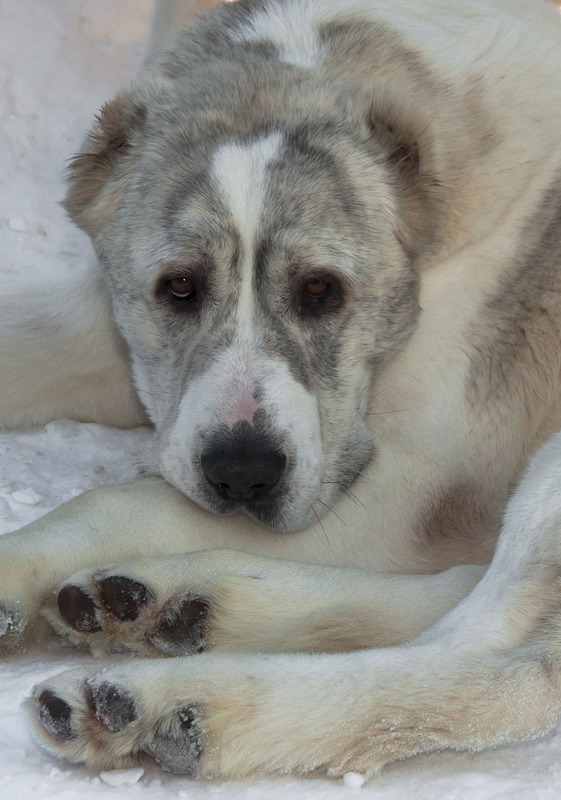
<point>319,295</point>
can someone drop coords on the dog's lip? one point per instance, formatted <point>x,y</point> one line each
<point>266,511</point>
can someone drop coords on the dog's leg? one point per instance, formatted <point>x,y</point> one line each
<point>487,673</point>
<point>149,518</point>
<point>61,356</point>
<point>230,601</point>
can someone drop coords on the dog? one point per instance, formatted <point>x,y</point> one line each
<point>330,256</point>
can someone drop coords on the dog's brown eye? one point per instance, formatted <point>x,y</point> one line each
<point>182,288</point>
<point>315,290</point>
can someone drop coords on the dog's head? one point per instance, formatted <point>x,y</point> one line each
<point>258,223</point>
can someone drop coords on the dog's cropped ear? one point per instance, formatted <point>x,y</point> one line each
<point>97,175</point>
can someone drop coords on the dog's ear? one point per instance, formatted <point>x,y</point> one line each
<point>403,135</point>
<point>97,175</point>
<point>431,136</point>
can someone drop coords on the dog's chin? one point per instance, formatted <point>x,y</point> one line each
<point>277,513</point>
<point>278,517</point>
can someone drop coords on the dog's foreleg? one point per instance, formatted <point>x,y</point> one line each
<point>314,608</point>
<point>488,673</point>
<point>224,600</point>
<point>61,356</point>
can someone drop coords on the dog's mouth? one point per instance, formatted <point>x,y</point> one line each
<point>266,509</point>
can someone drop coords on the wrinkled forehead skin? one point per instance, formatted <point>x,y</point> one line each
<point>254,179</point>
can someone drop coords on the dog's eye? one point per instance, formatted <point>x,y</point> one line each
<point>315,291</point>
<point>320,296</point>
<point>182,288</point>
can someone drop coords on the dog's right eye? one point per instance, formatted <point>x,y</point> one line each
<point>182,289</point>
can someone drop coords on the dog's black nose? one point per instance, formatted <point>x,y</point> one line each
<point>242,464</point>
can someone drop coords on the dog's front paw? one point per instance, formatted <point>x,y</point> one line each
<point>148,710</point>
<point>186,604</point>
<point>214,716</point>
<point>138,607</point>
<point>103,721</point>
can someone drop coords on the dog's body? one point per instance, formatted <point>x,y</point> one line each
<point>331,237</point>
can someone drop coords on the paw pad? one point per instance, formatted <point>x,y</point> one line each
<point>182,630</point>
<point>178,748</point>
<point>112,706</point>
<point>55,715</point>
<point>123,597</point>
<point>78,610</point>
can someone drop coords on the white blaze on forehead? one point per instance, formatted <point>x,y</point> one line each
<point>240,173</point>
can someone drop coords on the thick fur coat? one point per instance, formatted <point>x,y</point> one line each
<point>329,239</point>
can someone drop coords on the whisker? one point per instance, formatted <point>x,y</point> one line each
<point>329,508</point>
<point>317,516</point>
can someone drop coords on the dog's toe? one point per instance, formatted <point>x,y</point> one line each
<point>178,747</point>
<point>78,610</point>
<point>123,597</point>
<point>55,715</point>
<point>111,705</point>
<point>181,630</point>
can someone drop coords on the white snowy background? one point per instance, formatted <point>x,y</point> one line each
<point>59,61</point>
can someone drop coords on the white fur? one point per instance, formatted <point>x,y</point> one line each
<point>484,670</point>
<point>240,173</point>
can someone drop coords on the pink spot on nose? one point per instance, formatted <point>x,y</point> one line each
<point>240,406</point>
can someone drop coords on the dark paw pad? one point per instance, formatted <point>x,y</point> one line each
<point>123,597</point>
<point>182,630</point>
<point>112,706</point>
<point>178,748</point>
<point>55,715</point>
<point>78,610</point>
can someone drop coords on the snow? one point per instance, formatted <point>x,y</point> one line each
<point>121,777</point>
<point>353,780</point>
<point>60,60</point>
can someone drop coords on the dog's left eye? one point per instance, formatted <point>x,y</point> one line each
<point>315,290</point>
<point>182,288</point>
<point>320,294</point>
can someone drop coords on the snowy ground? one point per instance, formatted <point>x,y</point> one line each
<point>59,60</point>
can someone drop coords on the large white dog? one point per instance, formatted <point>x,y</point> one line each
<point>329,234</point>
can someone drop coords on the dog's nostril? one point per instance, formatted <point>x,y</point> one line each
<point>255,486</point>
<point>245,477</point>
<point>243,468</point>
